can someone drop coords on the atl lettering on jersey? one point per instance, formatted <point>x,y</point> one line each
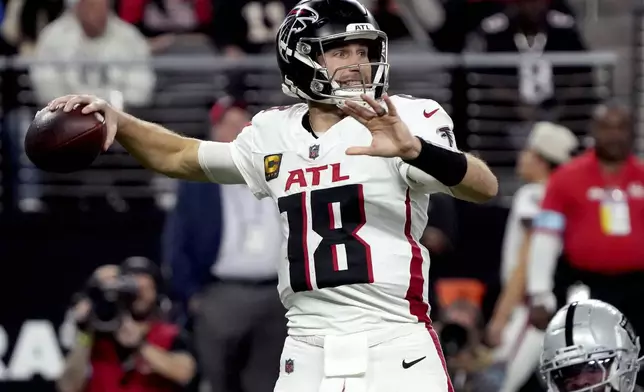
<point>352,259</point>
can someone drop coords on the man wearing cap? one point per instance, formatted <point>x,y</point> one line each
<point>223,246</point>
<point>593,217</point>
<point>548,146</point>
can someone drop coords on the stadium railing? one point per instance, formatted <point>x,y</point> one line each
<point>484,93</point>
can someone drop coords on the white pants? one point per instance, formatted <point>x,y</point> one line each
<point>365,362</point>
<point>520,349</point>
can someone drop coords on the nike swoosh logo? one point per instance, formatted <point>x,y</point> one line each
<point>407,365</point>
<point>428,115</point>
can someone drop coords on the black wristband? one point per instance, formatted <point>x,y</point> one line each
<point>448,167</point>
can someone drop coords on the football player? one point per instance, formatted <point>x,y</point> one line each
<point>351,170</point>
<point>590,346</point>
<point>548,146</point>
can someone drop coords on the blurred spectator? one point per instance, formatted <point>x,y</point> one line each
<point>223,246</point>
<point>248,26</point>
<point>548,146</point>
<point>469,361</point>
<point>15,119</point>
<point>91,34</point>
<point>592,215</point>
<point>8,47</point>
<point>27,18</point>
<point>531,28</point>
<point>7,41</point>
<point>527,90</point>
<point>463,17</point>
<point>138,351</point>
<point>163,21</point>
<point>35,15</point>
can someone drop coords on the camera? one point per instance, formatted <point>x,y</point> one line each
<point>454,339</point>
<point>110,301</point>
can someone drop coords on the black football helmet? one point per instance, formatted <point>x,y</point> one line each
<point>315,26</point>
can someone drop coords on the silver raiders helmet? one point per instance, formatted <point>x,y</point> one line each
<point>590,346</point>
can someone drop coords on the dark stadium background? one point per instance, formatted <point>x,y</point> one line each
<point>115,209</point>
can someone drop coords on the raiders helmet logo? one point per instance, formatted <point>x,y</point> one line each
<point>297,20</point>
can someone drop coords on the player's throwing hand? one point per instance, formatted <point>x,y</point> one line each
<point>391,136</point>
<point>92,104</point>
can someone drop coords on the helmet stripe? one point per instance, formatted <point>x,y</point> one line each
<point>570,318</point>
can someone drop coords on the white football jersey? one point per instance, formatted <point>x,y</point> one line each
<point>525,206</point>
<point>352,261</point>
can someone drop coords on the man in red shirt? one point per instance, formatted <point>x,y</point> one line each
<point>593,216</point>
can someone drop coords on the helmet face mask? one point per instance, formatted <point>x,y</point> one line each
<point>315,27</point>
<point>371,78</point>
<point>613,372</point>
<point>591,376</point>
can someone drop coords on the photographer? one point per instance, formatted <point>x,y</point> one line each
<point>469,361</point>
<point>122,343</point>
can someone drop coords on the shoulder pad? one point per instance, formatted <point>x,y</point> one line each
<point>560,20</point>
<point>426,118</point>
<point>407,103</point>
<point>495,23</point>
<point>275,114</point>
<point>400,98</point>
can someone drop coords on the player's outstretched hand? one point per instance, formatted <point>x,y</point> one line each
<point>92,105</point>
<point>390,135</point>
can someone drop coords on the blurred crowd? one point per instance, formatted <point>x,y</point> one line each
<point>109,31</point>
<point>221,246</point>
<point>116,49</point>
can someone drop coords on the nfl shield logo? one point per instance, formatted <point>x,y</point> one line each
<point>314,151</point>
<point>289,366</point>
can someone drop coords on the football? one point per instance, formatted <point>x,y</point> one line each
<point>65,142</point>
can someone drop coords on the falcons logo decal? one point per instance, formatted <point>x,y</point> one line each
<point>297,20</point>
<point>446,133</point>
